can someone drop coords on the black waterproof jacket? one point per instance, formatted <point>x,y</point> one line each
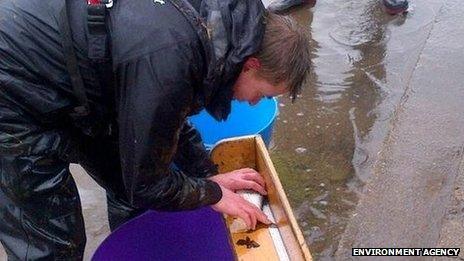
<point>170,59</point>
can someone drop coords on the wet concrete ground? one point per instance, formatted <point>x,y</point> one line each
<point>408,200</point>
<point>371,154</point>
<point>93,208</point>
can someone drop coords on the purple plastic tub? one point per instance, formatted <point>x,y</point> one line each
<point>188,235</point>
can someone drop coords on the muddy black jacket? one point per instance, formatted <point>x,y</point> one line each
<point>170,59</point>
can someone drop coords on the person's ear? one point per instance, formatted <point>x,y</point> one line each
<point>251,63</point>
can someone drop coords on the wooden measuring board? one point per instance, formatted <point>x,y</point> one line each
<point>284,242</point>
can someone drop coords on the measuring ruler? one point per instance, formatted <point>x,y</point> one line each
<point>275,235</point>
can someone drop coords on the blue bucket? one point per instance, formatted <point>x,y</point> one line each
<point>244,119</point>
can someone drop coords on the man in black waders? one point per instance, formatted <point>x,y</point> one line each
<point>110,86</point>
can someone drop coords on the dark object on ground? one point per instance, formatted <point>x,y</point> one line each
<point>280,6</point>
<point>394,7</point>
<point>247,242</point>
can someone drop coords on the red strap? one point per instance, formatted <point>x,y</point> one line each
<point>93,2</point>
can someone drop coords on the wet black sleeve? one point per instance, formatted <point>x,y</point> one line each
<point>155,96</point>
<point>191,156</point>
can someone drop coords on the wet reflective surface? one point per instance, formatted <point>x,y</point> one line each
<point>326,144</point>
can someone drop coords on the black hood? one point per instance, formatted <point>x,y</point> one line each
<point>235,29</point>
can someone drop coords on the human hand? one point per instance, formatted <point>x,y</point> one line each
<point>234,205</point>
<point>246,178</point>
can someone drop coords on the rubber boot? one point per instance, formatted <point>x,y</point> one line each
<point>394,7</point>
<point>280,6</point>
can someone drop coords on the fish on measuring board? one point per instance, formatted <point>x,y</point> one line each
<point>282,240</point>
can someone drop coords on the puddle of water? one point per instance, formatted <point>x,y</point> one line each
<point>326,143</point>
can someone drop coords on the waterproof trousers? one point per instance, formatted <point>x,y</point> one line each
<point>40,210</point>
